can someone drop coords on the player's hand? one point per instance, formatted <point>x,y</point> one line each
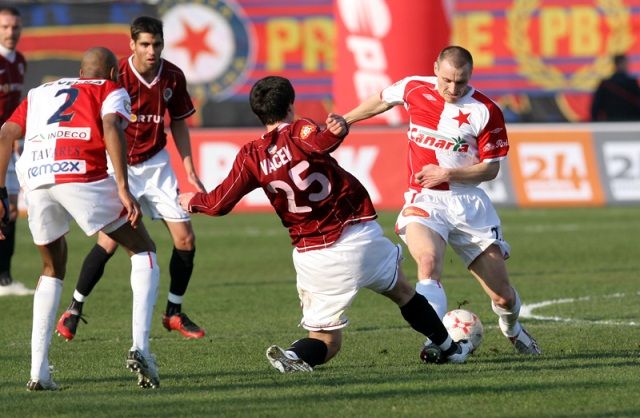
<point>431,175</point>
<point>184,199</point>
<point>194,180</point>
<point>337,125</point>
<point>131,205</point>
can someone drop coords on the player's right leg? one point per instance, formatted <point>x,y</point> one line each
<point>46,300</point>
<point>90,274</point>
<point>421,316</point>
<point>145,278</point>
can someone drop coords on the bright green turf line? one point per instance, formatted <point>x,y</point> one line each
<point>243,292</point>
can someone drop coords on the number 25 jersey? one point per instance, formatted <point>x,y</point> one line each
<point>314,197</point>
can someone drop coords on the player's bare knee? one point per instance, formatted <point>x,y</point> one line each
<point>185,242</point>
<point>427,263</point>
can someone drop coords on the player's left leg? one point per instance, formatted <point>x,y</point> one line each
<point>306,353</point>
<point>489,268</point>
<point>180,270</point>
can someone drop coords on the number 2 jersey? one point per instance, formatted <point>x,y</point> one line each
<point>62,126</point>
<point>450,135</point>
<point>314,197</point>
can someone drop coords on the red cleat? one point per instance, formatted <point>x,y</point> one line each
<point>68,324</point>
<point>181,322</point>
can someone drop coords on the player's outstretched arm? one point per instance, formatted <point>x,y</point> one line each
<point>116,148</point>
<point>180,133</point>
<point>372,106</point>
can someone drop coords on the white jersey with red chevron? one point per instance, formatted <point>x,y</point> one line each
<point>450,135</point>
<point>62,125</point>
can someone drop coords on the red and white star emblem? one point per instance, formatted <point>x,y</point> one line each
<point>462,118</point>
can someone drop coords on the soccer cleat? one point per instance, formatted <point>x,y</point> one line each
<point>34,385</point>
<point>145,367</point>
<point>284,362</point>
<point>525,343</point>
<point>9,287</point>
<point>68,324</point>
<point>181,322</point>
<point>431,353</point>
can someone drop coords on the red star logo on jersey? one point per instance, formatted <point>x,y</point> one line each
<point>195,42</point>
<point>462,118</point>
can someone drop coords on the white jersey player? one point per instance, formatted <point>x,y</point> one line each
<point>457,138</point>
<point>68,125</point>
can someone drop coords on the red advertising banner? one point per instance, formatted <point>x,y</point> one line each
<point>381,41</point>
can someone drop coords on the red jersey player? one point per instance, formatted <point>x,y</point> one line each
<point>158,89</point>
<point>68,125</point>
<point>12,70</point>
<point>457,138</point>
<point>339,247</point>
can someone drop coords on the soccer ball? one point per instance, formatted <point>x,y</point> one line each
<point>463,324</point>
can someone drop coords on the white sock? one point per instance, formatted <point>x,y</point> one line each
<point>175,298</point>
<point>46,300</point>
<point>508,318</point>
<point>434,292</point>
<point>145,277</point>
<point>78,296</point>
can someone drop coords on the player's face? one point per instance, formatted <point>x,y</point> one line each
<point>10,28</point>
<point>453,83</point>
<point>146,52</point>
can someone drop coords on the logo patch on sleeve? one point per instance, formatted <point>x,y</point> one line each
<point>415,211</point>
<point>306,131</point>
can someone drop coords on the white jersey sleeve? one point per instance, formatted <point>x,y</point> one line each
<point>395,93</point>
<point>118,102</point>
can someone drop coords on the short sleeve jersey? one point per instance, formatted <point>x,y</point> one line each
<point>62,126</point>
<point>314,197</point>
<point>11,83</point>
<point>450,135</point>
<point>150,102</point>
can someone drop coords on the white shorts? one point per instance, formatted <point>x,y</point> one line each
<point>94,206</point>
<point>329,279</point>
<point>155,186</point>
<point>13,186</point>
<point>465,219</point>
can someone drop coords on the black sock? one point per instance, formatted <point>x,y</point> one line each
<point>92,269</point>
<point>75,306</point>
<point>7,247</point>
<point>173,308</point>
<point>311,350</point>
<point>180,269</point>
<point>421,316</point>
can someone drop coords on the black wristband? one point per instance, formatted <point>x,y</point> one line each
<point>3,193</point>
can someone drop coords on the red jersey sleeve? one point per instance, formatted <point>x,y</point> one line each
<point>180,106</point>
<point>493,143</point>
<point>240,181</point>
<point>312,139</point>
<point>19,115</point>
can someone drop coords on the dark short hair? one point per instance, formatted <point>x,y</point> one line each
<point>146,24</point>
<point>10,10</point>
<point>457,55</point>
<point>619,59</point>
<point>270,99</point>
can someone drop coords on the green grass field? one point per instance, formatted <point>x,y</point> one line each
<point>243,292</point>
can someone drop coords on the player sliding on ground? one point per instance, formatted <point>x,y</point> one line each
<point>339,247</point>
